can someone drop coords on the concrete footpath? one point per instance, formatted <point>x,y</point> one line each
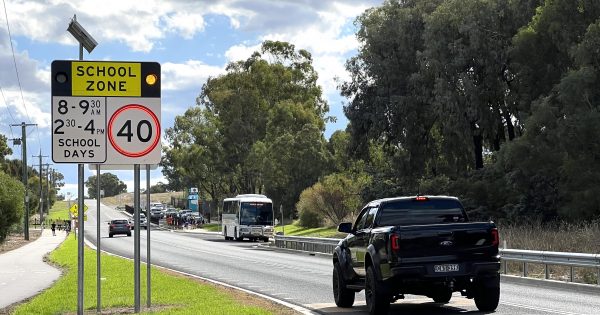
<point>23,272</point>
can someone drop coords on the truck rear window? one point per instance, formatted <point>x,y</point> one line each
<point>413,212</point>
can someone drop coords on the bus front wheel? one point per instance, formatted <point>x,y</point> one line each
<point>227,238</point>
<point>235,235</point>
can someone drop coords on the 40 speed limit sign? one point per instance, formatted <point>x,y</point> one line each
<point>133,130</point>
<point>106,112</point>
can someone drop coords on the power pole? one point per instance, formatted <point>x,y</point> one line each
<point>48,178</point>
<point>40,156</point>
<point>24,155</point>
<point>47,191</point>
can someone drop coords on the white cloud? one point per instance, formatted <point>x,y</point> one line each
<point>32,104</point>
<point>191,74</point>
<point>187,24</point>
<point>240,52</point>
<point>30,108</point>
<point>140,25</point>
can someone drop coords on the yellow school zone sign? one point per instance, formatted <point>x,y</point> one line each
<point>106,78</point>
<point>74,209</point>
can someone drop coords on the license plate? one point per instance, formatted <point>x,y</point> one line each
<point>446,268</point>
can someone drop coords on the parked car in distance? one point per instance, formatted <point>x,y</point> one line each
<point>422,245</point>
<point>119,226</point>
<point>156,213</point>
<point>143,222</point>
<point>157,205</point>
<point>197,216</point>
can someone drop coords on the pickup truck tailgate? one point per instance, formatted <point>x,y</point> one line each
<point>445,242</point>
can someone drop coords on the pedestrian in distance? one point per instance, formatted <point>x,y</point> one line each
<point>53,227</point>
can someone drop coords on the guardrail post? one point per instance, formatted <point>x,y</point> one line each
<point>505,267</point>
<point>598,276</point>
<point>572,273</point>
<point>547,272</point>
<point>524,269</point>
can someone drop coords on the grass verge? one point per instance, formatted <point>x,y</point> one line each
<point>59,211</point>
<point>295,230</point>
<point>212,227</point>
<point>171,293</point>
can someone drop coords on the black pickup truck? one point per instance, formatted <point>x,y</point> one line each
<point>423,245</point>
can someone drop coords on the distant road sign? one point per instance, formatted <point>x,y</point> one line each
<point>89,97</point>
<point>74,209</point>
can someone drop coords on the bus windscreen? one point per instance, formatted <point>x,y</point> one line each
<point>256,213</point>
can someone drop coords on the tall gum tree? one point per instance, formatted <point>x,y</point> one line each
<point>263,123</point>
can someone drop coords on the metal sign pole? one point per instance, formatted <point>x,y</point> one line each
<point>148,221</point>
<point>98,285</point>
<point>282,225</point>
<point>80,211</point>
<point>136,243</point>
<point>80,229</point>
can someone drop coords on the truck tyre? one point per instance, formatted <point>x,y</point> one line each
<point>442,296</point>
<point>343,296</point>
<point>487,293</point>
<point>378,301</point>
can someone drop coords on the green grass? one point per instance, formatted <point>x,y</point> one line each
<point>59,211</point>
<point>175,294</point>
<point>295,230</point>
<point>212,227</point>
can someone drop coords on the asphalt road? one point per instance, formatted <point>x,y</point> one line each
<point>306,280</point>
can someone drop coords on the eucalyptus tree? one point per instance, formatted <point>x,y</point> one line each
<point>258,128</point>
<point>389,98</point>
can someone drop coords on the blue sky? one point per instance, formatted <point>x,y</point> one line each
<point>191,39</point>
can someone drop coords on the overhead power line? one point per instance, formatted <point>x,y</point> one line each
<point>17,71</point>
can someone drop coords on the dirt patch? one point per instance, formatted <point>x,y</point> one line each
<point>127,198</point>
<point>128,310</point>
<point>14,241</point>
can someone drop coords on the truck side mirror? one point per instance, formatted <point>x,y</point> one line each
<point>345,227</point>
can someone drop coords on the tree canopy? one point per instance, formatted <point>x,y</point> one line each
<point>258,128</point>
<point>12,194</point>
<point>490,100</point>
<point>110,183</point>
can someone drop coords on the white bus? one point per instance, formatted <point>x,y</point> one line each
<point>247,216</point>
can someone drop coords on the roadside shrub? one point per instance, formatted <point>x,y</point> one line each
<point>333,199</point>
<point>308,214</point>
<point>12,194</point>
<point>309,219</point>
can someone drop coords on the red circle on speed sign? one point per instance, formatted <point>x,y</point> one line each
<point>128,110</point>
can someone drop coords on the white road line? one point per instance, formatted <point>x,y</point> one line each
<point>541,309</point>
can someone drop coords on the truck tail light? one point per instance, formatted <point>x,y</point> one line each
<point>495,237</point>
<point>395,242</point>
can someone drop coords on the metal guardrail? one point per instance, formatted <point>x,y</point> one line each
<point>572,260</point>
<point>307,244</point>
